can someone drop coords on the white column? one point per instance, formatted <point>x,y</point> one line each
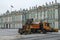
<point>56,25</point>
<point>11,26</point>
<point>46,16</point>
<point>5,25</point>
<point>8,25</point>
<point>56,18</point>
<point>42,15</point>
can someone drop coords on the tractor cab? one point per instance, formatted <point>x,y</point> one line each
<point>46,26</point>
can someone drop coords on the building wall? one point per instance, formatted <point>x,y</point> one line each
<point>11,21</point>
<point>48,13</point>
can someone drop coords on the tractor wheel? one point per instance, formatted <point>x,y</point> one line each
<point>52,30</point>
<point>21,32</point>
<point>44,31</point>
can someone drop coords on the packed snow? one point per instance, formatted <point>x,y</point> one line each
<point>7,32</point>
<point>12,34</point>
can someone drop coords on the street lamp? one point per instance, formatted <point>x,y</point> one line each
<point>11,7</point>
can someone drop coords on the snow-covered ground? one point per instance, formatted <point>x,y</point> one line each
<point>12,34</point>
<point>7,32</point>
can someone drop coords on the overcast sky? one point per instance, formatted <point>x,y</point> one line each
<point>17,4</point>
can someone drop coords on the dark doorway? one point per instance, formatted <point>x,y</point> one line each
<point>6,25</point>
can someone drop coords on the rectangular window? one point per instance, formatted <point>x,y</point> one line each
<point>13,18</point>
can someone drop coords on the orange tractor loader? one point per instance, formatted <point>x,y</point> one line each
<point>30,27</point>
